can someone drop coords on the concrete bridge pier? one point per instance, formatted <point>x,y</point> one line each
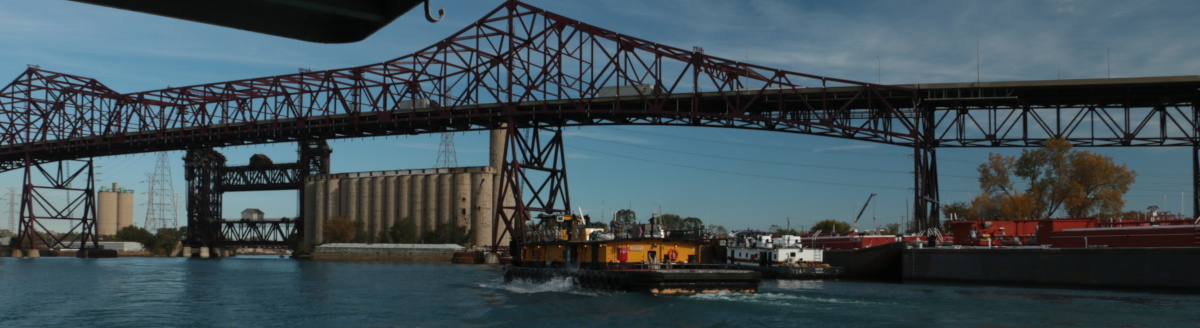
<point>33,254</point>
<point>204,252</point>
<point>491,258</point>
<point>16,253</point>
<point>187,251</point>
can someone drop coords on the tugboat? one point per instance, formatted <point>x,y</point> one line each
<point>646,260</point>
<point>781,257</point>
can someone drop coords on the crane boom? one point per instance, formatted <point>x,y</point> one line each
<point>860,212</point>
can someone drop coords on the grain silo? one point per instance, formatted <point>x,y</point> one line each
<point>124,208</point>
<point>460,196</point>
<point>106,211</point>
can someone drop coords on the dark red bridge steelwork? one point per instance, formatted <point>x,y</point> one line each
<point>529,68</point>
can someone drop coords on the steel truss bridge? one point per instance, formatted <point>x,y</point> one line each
<point>521,67</point>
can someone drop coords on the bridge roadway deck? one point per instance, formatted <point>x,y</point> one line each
<point>762,111</point>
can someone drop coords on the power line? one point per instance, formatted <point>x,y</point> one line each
<point>738,173</point>
<point>751,175</point>
<point>765,162</point>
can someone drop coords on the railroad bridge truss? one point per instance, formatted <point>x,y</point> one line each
<point>521,67</point>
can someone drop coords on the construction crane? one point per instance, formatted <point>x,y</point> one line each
<point>860,212</point>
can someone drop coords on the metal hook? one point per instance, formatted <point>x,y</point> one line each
<point>429,14</point>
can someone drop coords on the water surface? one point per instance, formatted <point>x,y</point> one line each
<point>271,292</point>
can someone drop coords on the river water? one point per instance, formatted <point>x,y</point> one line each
<point>271,292</point>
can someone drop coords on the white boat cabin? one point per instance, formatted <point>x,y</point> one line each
<point>762,249</point>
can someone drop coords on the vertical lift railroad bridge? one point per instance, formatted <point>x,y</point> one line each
<point>521,67</point>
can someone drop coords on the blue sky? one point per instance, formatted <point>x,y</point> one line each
<point>765,178</point>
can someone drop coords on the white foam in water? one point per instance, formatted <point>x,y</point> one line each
<point>555,285</point>
<point>798,284</point>
<point>771,298</point>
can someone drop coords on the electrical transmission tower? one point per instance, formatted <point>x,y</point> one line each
<point>446,156</point>
<point>12,209</point>
<point>161,211</point>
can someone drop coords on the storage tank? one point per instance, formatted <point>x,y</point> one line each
<point>310,195</point>
<point>418,203</point>
<point>404,197</point>
<point>484,211</point>
<point>431,201</point>
<point>462,198</point>
<point>124,208</point>
<point>106,212</point>
<point>445,198</point>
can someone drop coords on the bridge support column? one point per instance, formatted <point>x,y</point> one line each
<point>187,252</point>
<point>204,252</point>
<point>78,209</point>
<point>202,168</point>
<point>534,163</point>
<point>313,157</point>
<point>1196,180</point>
<point>925,214</point>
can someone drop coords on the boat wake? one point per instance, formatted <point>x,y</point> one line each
<point>555,285</point>
<point>772,298</point>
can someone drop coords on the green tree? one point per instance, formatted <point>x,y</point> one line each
<point>1077,183</point>
<point>137,234</point>
<point>777,230</point>
<point>956,211</point>
<point>360,232</point>
<point>716,230</point>
<point>890,229</point>
<point>670,221</point>
<point>692,223</point>
<point>167,238</point>
<point>600,225</point>
<point>339,230</point>
<point>623,221</point>
<point>404,231</point>
<point>6,233</point>
<point>830,226</point>
<point>449,233</point>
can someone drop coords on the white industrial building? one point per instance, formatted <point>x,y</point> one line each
<point>124,246</point>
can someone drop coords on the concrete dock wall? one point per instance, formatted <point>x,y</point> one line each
<point>1100,267</point>
<point>386,252</point>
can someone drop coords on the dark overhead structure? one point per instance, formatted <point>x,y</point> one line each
<point>322,21</point>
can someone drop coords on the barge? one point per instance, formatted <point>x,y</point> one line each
<point>648,260</point>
